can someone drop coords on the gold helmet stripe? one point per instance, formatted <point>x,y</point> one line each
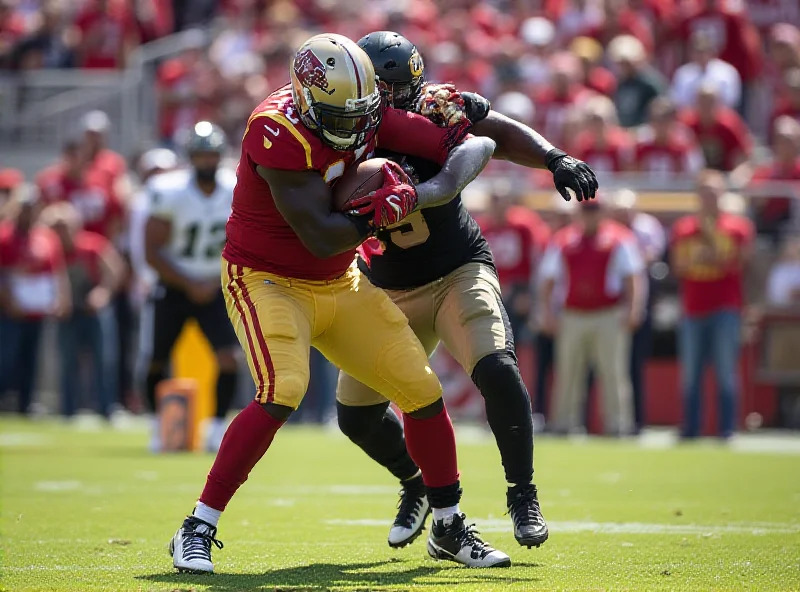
<point>352,68</point>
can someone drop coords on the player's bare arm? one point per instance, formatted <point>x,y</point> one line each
<point>516,142</point>
<point>463,164</point>
<point>157,235</point>
<point>304,200</point>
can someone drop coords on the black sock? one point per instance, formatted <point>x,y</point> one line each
<point>508,411</point>
<point>377,430</point>
<point>226,390</point>
<point>445,497</point>
<point>153,378</point>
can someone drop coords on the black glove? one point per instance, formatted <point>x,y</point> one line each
<point>475,106</point>
<point>571,173</point>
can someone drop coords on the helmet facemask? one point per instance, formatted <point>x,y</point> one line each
<point>349,128</point>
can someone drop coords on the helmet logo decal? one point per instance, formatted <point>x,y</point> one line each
<point>415,63</point>
<point>310,71</point>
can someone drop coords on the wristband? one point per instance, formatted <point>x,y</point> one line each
<point>553,156</point>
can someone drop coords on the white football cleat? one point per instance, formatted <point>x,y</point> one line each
<point>459,542</point>
<point>191,546</point>
<point>412,512</point>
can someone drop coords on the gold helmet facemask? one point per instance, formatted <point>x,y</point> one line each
<point>335,90</point>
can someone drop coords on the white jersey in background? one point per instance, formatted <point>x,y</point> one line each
<point>198,220</point>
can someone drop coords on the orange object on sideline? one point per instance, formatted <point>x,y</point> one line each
<point>177,405</point>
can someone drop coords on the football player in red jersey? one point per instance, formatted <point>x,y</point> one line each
<point>290,279</point>
<point>437,267</point>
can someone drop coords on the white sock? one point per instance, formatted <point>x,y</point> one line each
<point>445,514</point>
<point>207,514</point>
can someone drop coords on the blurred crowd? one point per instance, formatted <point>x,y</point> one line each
<point>670,89</point>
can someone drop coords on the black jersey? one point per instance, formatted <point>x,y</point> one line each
<point>428,244</point>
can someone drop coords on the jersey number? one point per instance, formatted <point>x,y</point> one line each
<point>411,231</point>
<point>209,245</point>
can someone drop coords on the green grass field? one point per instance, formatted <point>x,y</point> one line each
<point>92,510</point>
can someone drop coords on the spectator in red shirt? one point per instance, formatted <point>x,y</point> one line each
<point>593,75</point>
<point>33,286</point>
<point>722,134</point>
<point>12,28</point>
<point>784,55</point>
<point>621,20</point>
<point>664,150</point>
<point>517,237</point>
<point>555,100</point>
<point>598,262</point>
<point>732,33</point>
<point>73,180</point>
<point>773,210</point>
<point>103,162</point>
<point>788,104</point>
<point>603,144</point>
<point>95,271</point>
<point>10,182</point>
<point>709,251</point>
<point>108,32</point>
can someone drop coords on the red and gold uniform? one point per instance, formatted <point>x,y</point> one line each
<point>282,299</point>
<point>707,288</point>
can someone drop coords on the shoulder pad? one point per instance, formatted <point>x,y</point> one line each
<point>275,140</point>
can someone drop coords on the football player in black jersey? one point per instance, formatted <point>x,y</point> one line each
<point>438,269</point>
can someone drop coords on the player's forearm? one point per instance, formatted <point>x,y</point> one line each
<point>516,142</point>
<point>463,164</point>
<point>166,270</point>
<point>333,234</point>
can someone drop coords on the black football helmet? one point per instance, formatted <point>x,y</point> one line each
<point>206,137</point>
<point>398,65</point>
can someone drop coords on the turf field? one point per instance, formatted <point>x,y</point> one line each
<point>91,510</point>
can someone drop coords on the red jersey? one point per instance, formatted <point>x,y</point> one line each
<point>30,263</point>
<point>257,234</point>
<point>663,160</point>
<point>777,207</point>
<point>516,243</point>
<point>105,34</point>
<point>704,288</point>
<point>96,202</point>
<point>84,264</point>
<point>723,141</point>
<point>108,165</point>
<point>552,109</point>
<point>613,156</point>
<point>732,32</point>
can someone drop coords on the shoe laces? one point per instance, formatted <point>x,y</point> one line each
<point>469,536</point>
<point>200,540</point>
<point>524,507</point>
<point>408,505</point>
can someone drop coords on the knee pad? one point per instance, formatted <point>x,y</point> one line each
<point>357,423</point>
<point>278,412</point>
<point>495,368</point>
<point>429,411</point>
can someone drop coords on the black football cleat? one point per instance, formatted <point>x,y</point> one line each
<point>412,511</point>
<point>191,546</point>
<point>530,529</point>
<point>461,543</point>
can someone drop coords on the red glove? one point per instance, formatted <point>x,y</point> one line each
<point>389,204</point>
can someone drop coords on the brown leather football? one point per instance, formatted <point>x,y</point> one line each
<point>358,181</point>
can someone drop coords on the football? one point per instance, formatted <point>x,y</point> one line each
<point>358,181</point>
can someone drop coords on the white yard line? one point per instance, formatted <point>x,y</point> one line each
<point>504,525</point>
